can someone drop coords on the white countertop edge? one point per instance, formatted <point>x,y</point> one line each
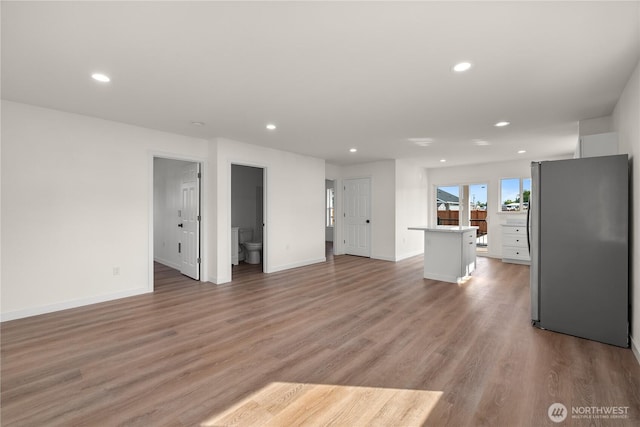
<point>446,228</point>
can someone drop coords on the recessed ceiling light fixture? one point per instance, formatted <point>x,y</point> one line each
<point>443,160</point>
<point>502,124</point>
<point>522,151</point>
<point>461,67</point>
<point>102,78</point>
<point>481,142</point>
<point>197,123</point>
<point>271,126</point>
<point>353,150</point>
<point>422,142</point>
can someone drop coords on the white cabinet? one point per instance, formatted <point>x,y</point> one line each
<point>449,252</point>
<point>602,144</point>
<point>514,244</point>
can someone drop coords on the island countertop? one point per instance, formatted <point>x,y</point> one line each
<point>446,228</point>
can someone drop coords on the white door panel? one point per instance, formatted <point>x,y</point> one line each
<point>189,223</point>
<point>357,196</point>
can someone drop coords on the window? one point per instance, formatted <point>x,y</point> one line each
<point>511,190</point>
<point>448,205</point>
<point>330,207</point>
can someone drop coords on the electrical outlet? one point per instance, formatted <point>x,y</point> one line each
<point>116,271</point>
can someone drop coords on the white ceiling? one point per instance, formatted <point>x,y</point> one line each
<point>332,75</point>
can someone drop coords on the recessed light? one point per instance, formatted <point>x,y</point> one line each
<point>502,124</point>
<point>100,77</point>
<point>462,67</point>
<point>481,142</point>
<point>353,150</point>
<point>271,126</point>
<point>422,142</point>
<point>197,123</point>
<point>522,151</point>
<point>443,160</point>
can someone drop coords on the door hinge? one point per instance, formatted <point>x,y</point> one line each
<point>198,217</point>
<point>179,247</point>
<point>198,260</point>
<point>199,175</point>
<point>345,242</point>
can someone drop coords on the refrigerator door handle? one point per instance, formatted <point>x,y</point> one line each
<point>528,227</point>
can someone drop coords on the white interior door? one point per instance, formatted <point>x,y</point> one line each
<point>189,222</point>
<point>357,215</point>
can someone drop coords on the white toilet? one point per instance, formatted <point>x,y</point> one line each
<point>252,248</point>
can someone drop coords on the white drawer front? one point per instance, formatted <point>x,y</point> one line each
<point>515,253</point>
<point>514,230</point>
<point>516,240</point>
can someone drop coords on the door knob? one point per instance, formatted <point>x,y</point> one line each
<point>180,225</point>
<point>368,221</point>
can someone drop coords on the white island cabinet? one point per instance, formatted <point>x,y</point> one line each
<point>449,252</point>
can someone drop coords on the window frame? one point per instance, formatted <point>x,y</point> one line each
<point>521,189</point>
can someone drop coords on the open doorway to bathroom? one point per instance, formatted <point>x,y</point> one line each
<point>247,220</point>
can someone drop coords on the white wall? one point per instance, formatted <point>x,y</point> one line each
<point>167,182</point>
<point>626,117</point>
<point>76,202</point>
<point>245,182</point>
<point>383,212</point>
<point>411,208</point>
<point>294,189</point>
<point>595,126</point>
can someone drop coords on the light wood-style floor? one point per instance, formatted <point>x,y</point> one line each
<point>350,342</point>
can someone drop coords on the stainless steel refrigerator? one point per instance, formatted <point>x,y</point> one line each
<point>578,222</point>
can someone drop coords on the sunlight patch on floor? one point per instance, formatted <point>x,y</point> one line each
<point>296,404</point>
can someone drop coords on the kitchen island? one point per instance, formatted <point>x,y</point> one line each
<point>449,252</point>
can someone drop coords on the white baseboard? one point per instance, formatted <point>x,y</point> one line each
<point>383,258</point>
<point>635,349</point>
<point>167,263</point>
<point>34,311</point>
<point>296,265</point>
<point>409,255</point>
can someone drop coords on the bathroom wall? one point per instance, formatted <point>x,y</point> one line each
<point>246,190</point>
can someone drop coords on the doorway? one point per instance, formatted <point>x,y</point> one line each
<point>357,216</point>
<point>247,219</point>
<point>330,219</point>
<point>464,204</point>
<point>177,215</point>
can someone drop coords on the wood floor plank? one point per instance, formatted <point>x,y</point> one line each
<point>352,341</point>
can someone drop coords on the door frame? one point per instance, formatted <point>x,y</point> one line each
<point>265,213</point>
<point>204,213</point>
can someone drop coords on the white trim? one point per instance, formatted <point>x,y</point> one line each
<point>382,258</point>
<point>409,255</point>
<point>296,265</point>
<point>65,305</point>
<point>635,349</point>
